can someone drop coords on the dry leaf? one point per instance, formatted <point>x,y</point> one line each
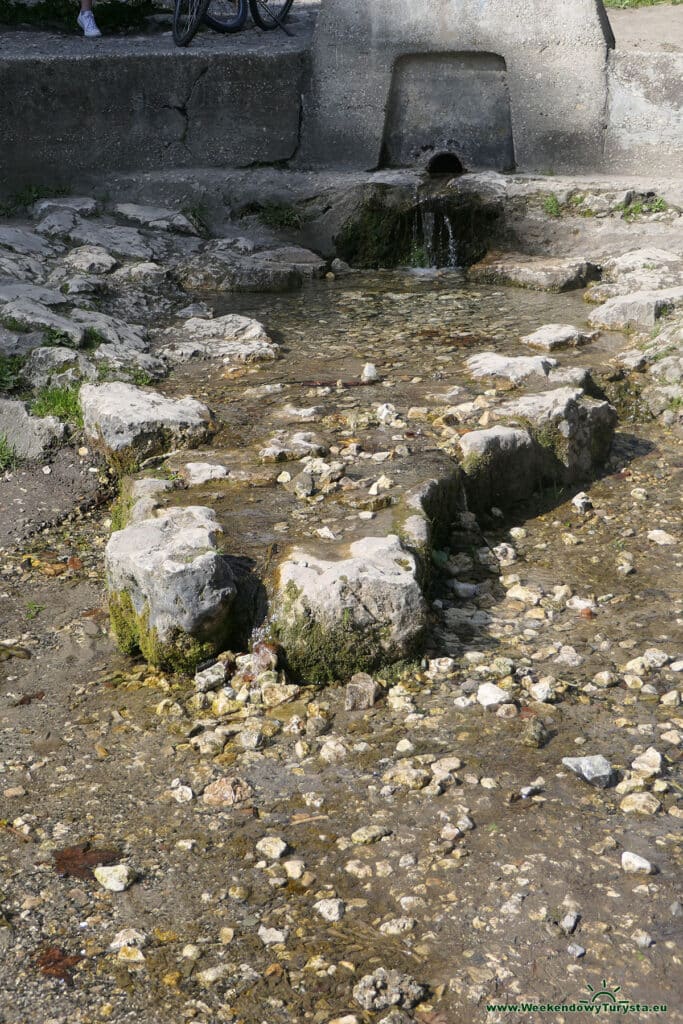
<point>78,861</point>
<point>55,963</point>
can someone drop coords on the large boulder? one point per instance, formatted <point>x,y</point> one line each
<point>170,589</point>
<point>335,618</point>
<point>127,418</point>
<point>31,437</point>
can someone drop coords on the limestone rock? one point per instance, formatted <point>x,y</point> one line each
<point>595,770</point>
<point>637,309</point>
<point>574,432</point>
<point>361,692</point>
<point>364,609</point>
<point>57,367</point>
<point>222,266</point>
<point>553,336</point>
<point>501,464</point>
<point>382,989</point>
<point>126,417</point>
<point>89,259</point>
<point>11,290</point>
<point>232,338</point>
<point>34,315</point>
<point>640,803</point>
<point>156,217</point>
<point>513,368</point>
<point>542,273</point>
<point>170,589</point>
<point>31,437</point>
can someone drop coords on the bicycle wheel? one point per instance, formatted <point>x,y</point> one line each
<point>187,17</point>
<point>269,14</point>
<point>226,15</point>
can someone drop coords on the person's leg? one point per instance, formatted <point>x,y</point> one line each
<point>86,21</point>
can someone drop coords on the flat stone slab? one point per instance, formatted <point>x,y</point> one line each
<point>122,416</point>
<point>555,336</point>
<point>232,339</point>
<point>637,309</point>
<point>34,315</point>
<point>547,274</point>
<point>512,368</point>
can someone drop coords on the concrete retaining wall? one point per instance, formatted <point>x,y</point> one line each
<point>645,113</point>
<point>70,114</point>
<point>555,56</point>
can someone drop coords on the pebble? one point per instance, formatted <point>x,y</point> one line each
<point>489,695</point>
<point>595,770</point>
<point>114,877</point>
<point>575,950</point>
<point>661,537</point>
<point>369,834</point>
<point>642,939</point>
<point>632,863</point>
<point>640,803</point>
<point>272,847</point>
<point>129,937</point>
<point>648,764</point>
<point>272,936</point>
<point>330,909</point>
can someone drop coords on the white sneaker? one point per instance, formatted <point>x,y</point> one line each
<point>86,21</point>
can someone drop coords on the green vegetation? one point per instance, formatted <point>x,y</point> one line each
<point>642,206</point>
<point>198,214</point>
<point>32,193</point>
<point>59,401</point>
<point>139,377</point>
<point>552,206</point>
<point>12,324</point>
<point>624,4</point>
<point>58,339</point>
<point>33,609</point>
<point>112,15</point>
<point>10,372</point>
<point>278,216</point>
<point>133,633</point>
<point>8,456</point>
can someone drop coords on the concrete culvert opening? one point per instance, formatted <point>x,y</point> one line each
<point>445,163</point>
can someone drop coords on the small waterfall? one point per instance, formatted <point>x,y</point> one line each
<point>434,234</point>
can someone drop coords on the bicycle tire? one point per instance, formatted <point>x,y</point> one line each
<point>269,14</point>
<point>187,17</point>
<point>226,15</point>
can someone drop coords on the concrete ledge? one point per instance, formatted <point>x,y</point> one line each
<point>70,108</point>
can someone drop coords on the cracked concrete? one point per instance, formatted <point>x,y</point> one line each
<point>224,102</point>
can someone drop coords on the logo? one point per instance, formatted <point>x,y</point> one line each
<point>605,1000</point>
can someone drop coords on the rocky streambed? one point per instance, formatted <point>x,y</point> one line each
<point>342,623</point>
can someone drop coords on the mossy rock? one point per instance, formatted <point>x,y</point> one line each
<point>133,634</point>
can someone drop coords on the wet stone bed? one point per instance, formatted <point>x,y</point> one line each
<point>409,845</point>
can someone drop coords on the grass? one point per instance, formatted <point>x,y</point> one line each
<point>552,207</point>
<point>8,456</point>
<point>27,197</point>
<point>641,207</point>
<point>33,609</point>
<point>277,216</point>
<point>61,402</point>
<point>624,5</point>
<point>10,372</point>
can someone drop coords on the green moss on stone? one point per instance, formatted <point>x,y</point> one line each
<point>133,633</point>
